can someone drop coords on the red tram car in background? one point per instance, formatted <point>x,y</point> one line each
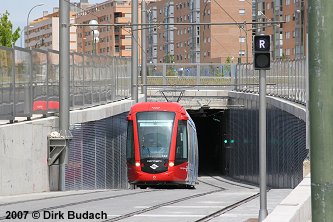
<point>162,146</point>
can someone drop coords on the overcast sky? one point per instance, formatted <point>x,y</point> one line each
<point>19,9</point>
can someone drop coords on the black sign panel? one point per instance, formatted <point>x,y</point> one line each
<point>262,43</point>
<point>262,55</point>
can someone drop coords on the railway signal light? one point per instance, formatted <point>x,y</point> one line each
<point>262,55</point>
<point>227,139</point>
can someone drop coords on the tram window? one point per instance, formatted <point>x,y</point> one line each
<point>130,145</point>
<point>181,143</point>
<point>155,131</point>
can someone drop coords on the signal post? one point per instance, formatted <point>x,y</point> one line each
<point>262,63</point>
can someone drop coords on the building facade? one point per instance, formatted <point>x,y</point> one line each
<point>201,41</point>
<point>288,38</point>
<point>43,33</point>
<point>112,40</point>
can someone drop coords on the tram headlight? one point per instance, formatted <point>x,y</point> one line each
<point>137,164</point>
<point>171,164</point>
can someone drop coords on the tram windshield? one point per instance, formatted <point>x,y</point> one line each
<point>155,131</point>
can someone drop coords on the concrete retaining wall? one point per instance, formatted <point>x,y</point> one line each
<point>23,149</point>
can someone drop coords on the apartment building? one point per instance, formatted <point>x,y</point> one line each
<point>112,40</point>
<point>289,38</point>
<point>229,41</point>
<point>43,32</point>
<point>202,40</point>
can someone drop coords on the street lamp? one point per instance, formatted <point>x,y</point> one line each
<point>28,18</point>
<point>299,34</point>
<point>95,33</point>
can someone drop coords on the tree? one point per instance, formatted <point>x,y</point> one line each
<point>7,36</point>
<point>227,66</point>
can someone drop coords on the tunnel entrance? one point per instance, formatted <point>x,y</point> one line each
<point>211,131</point>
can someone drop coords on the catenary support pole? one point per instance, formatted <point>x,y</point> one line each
<point>262,145</point>
<point>321,108</point>
<point>134,87</point>
<point>63,84</point>
<point>144,49</point>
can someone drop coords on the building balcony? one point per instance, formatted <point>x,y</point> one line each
<point>122,20</point>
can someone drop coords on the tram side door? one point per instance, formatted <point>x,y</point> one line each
<point>190,153</point>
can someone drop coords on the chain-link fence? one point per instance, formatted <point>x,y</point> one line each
<point>286,144</point>
<point>190,75</point>
<point>30,81</point>
<point>285,79</point>
<point>97,155</point>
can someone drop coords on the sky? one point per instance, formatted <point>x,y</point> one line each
<point>19,9</point>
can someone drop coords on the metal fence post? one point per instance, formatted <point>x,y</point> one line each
<point>14,86</point>
<point>198,74</point>
<point>164,76</point>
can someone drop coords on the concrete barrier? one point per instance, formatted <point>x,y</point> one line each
<point>296,207</point>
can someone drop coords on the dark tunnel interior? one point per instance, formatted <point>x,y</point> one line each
<point>211,132</point>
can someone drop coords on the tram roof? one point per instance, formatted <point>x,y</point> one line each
<point>158,106</point>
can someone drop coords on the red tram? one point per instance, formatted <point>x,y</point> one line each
<point>162,146</point>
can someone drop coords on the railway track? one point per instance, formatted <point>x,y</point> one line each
<point>77,202</point>
<point>213,188</point>
<point>206,218</point>
<point>227,208</point>
<point>128,215</point>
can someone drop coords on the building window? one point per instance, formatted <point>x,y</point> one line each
<point>287,18</point>
<point>288,52</point>
<point>287,2</point>
<point>287,35</point>
<point>241,39</point>
<point>241,53</point>
<point>241,11</point>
